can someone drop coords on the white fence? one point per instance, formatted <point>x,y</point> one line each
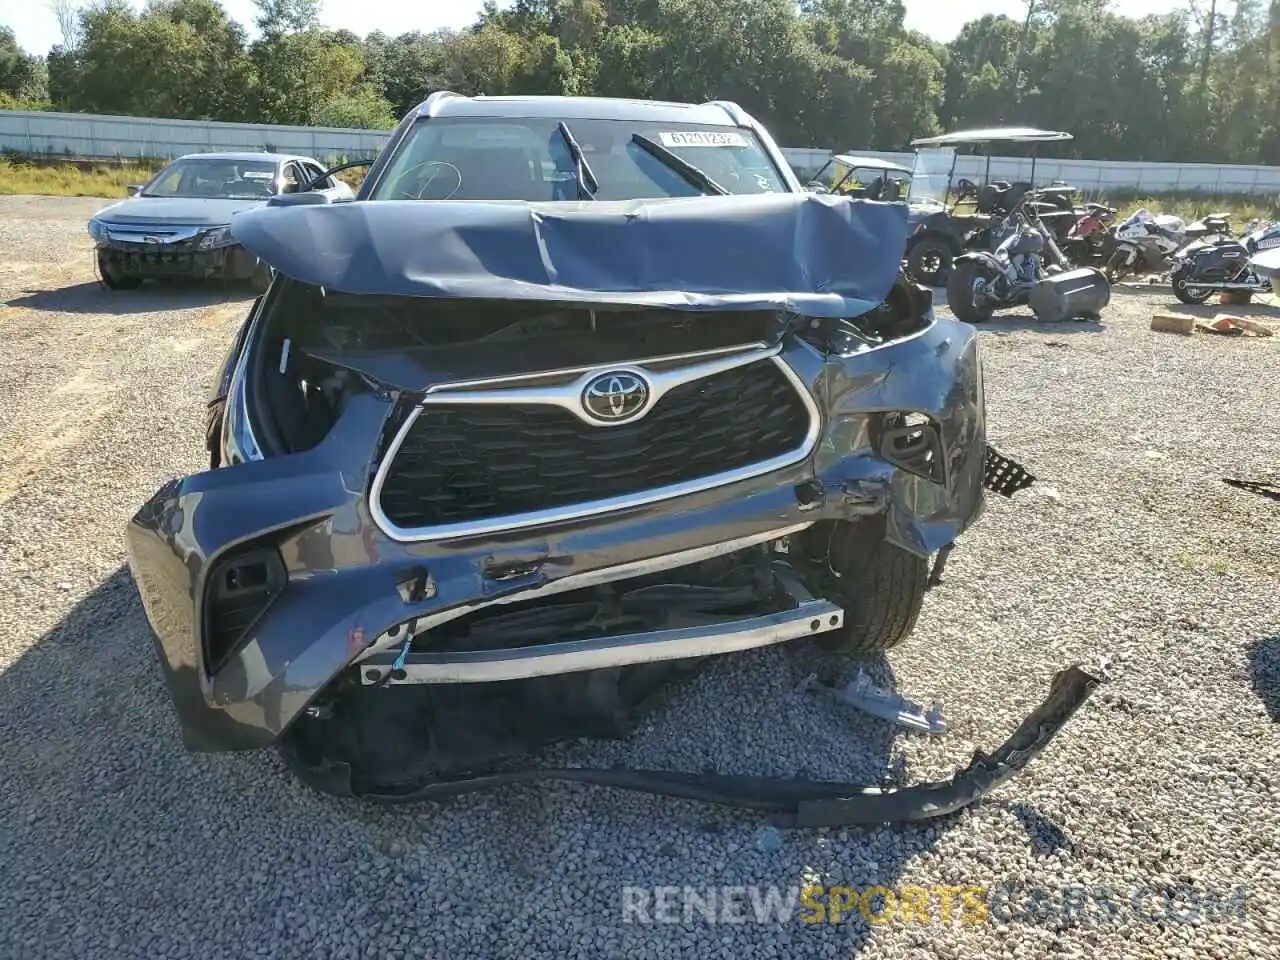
<point>1089,175</point>
<point>88,136</point>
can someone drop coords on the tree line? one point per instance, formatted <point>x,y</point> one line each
<point>1199,83</point>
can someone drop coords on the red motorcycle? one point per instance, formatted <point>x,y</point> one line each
<point>1090,242</point>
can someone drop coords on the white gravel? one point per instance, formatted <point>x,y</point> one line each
<point>114,842</point>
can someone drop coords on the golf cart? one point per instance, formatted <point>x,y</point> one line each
<point>951,215</point>
<point>867,178</point>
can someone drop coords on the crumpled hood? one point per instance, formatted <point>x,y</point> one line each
<point>811,254</point>
<point>193,210</point>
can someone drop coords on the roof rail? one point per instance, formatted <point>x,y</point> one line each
<point>427,107</point>
<point>735,112</point>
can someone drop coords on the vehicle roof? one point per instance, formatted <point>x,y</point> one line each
<point>871,163</point>
<point>277,157</point>
<point>993,135</point>
<point>715,113</point>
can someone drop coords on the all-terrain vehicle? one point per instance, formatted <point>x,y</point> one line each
<point>865,178</point>
<point>576,394</point>
<point>950,215</point>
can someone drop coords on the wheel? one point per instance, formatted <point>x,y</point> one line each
<point>113,279</point>
<point>960,294</point>
<point>881,587</point>
<point>1179,281</point>
<point>929,261</point>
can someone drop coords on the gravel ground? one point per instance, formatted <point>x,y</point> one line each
<point>1132,836</point>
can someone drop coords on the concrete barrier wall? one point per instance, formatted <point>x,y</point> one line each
<point>87,136</point>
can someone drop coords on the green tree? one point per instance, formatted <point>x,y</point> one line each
<point>300,72</point>
<point>363,109</point>
<point>23,78</point>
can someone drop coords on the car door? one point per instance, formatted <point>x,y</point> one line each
<point>292,179</point>
<point>332,186</point>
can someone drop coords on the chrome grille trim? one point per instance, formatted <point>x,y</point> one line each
<point>509,390</point>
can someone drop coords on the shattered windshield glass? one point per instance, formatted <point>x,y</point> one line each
<point>214,178</point>
<point>482,158</point>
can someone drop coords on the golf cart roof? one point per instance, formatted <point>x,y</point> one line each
<point>869,163</point>
<point>993,135</point>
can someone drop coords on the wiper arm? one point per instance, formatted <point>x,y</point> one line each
<point>587,182</point>
<point>675,162</point>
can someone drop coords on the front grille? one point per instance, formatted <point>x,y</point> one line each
<point>470,462</point>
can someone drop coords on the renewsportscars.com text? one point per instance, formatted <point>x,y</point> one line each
<point>972,904</point>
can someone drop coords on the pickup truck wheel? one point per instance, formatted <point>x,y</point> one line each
<point>882,590</point>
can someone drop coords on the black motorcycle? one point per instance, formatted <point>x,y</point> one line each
<point>1025,268</point>
<point>1205,268</point>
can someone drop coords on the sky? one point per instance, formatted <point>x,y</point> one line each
<point>36,28</point>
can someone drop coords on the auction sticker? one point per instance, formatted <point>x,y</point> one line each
<point>702,138</point>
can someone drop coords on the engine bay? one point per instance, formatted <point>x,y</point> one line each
<point>319,348</point>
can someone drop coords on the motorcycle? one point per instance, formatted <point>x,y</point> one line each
<point>1145,243</point>
<point>1224,266</point>
<point>1089,240</point>
<point>1025,268</point>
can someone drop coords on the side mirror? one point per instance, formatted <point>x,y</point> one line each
<point>307,198</point>
<point>134,189</point>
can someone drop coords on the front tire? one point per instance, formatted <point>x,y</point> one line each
<point>929,261</point>
<point>113,279</point>
<point>960,297</point>
<point>882,588</point>
<point>1179,280</point>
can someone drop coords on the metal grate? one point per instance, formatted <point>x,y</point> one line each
<point>1004,476</point>
<point>470,462</point>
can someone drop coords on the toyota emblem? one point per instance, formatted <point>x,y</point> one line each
<point>615,396</point>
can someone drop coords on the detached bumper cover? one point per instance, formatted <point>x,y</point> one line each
<point>347,584</point>
<point>794,802</point>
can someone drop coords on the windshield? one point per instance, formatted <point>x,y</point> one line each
<point>210,177</point>
<point>931,174</point>
<point>482,158</point>
<point>831,176</point>
<point>864,183</point>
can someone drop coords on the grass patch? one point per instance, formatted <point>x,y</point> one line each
<point>93,180</point>
<point>69,180</point>
<point>1241,207</point>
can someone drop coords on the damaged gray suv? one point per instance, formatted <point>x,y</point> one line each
<point>576,394</point>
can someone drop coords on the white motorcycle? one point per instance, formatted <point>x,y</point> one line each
<point>1145,243</point>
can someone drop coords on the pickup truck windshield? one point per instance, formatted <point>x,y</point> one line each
<point>482,158</point>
